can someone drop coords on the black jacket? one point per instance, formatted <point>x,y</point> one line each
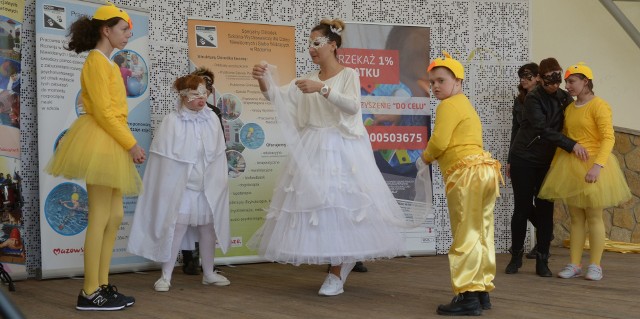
<point>515,123</point>
<point>540,130</point>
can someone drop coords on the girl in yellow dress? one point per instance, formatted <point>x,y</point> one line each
<point>100,148</point>
<point>586,187</point>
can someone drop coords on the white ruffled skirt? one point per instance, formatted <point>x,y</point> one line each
<point>335,209</point>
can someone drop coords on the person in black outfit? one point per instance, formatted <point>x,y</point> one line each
<point>529,78</point>
<point>531,152</point>
<point>191,259</point>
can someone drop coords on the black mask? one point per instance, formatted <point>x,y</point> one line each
<point>551,79</point>
<point>526,74</point>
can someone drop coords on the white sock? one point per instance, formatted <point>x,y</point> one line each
<point>345,270</point>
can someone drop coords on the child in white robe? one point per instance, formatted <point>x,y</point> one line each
<point>185,188</point>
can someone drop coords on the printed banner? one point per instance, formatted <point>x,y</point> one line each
<point>12,247</point>
<point>255,147</point>
<point>392,62</point>
<point>63,203</point>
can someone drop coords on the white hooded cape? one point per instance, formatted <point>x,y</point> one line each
<point>171,158</point>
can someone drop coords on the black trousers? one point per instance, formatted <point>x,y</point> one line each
<point>526,182</point>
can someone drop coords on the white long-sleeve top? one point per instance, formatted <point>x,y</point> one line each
<point>340,109</point>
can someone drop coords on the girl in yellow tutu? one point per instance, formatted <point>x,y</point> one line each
<point>100,148</point>
<point>586,187</point>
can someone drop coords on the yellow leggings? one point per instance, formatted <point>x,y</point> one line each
<point>105,216</point>
<point>593,217</point>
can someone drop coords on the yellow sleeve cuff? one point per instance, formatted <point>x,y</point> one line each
<point>427,158</point>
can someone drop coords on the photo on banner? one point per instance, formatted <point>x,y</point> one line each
<point>12,246</point>
<point>392,63</point>
<point>64,203</point>
<point>256,149</point>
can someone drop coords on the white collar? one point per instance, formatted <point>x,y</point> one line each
<point>197,116</point>
<point>104,55</point>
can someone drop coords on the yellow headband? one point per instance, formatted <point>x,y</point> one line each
<point>449,63</point>
<point>579,68</point>
<point>109,11</point>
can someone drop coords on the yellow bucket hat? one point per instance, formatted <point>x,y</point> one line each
<point>579,68</point>
<point>449,63</point>
<point>109,11</point>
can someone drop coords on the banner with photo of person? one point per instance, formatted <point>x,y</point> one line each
<point>12,247</point>
<point>256,149</point>
<point>392,63</point>
<point>63,203</point>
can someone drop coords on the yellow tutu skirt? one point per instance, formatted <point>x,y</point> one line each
<point>88,152</point>
<point>565,182</point>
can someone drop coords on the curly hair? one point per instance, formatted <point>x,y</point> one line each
<point>188,81</point>
<point>85,33</point>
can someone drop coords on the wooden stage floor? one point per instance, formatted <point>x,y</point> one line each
<point>398,288</point>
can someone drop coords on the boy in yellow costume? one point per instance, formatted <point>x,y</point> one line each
<point>100,148</point>
<point>472,179</point>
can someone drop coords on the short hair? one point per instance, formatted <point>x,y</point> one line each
<point>549,65</point>
<point>188,81</point>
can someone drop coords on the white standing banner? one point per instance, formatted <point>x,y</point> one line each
<point>63,203</point>
<point>392,62</point>
<point>256,149</point>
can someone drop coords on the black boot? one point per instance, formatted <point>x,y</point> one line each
<point>485,301</point>
<point>515,262</point>
<point>464,304</point>
<point>360,267</point>
<point>190,262</point>
<point>533,253</point>
<point>542,265</point>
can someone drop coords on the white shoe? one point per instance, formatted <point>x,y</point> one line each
<point>594,272</point>
<point>162,285</point>
<point>216,279</point>
<point>570,271</point>
<point>332,286</point>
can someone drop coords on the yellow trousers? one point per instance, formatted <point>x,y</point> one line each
<point>105,216</point>
<point>472,186</point>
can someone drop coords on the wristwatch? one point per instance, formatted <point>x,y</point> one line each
<point>324,90</point>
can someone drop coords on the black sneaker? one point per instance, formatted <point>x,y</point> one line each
<point>113,290</point>
<point>100,300</point>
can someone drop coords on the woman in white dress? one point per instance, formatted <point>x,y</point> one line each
<point>331,204</point>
